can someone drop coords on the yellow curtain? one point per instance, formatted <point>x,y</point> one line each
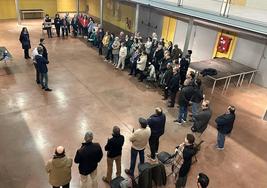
<point>168,28</point>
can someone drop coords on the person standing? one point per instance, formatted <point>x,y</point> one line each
<point>42,68</point>
<point>185,151</point>
<point>156,122</point>
<point>183,101</point>
<point>88,157</point>
<point>173,87</point>
<point>57,22</point>
<point>114,148</point>
<point>45,54</point>
<point>48,25</point>
<point>74,24</point>
<point>25,42</point>
<point>201,120</point>
<point>122,56</point>
<point>34,54</point>
<point>141,65</point>
<point>202,180</point>
<point>64,27</point>
<point>184,65</point>
<point>225,125</point>
<point>115,50</point>
<point>59,169</point>
<point>197,96</point>
<point>139,141</point>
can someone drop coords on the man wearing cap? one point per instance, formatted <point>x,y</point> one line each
<point>59,169</point>
<point>88,157</point>
<point>156,122</point>
<point>139,141</point>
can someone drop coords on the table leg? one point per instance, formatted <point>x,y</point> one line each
<point>225,84</point>
<point>242,79</point>
<point>213,87</point>
<point>229,80</point>
<point>238,81</point>
<point>251,78</point>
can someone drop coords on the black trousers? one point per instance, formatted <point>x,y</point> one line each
<point>154,145</point>
<point>65,31</point>
<point>142,75</point>
<point>26,53</point>
<point>133,69</point>
<point>58,30</point>
<point>63,186</point>
<point>49,32</point>
<point>37,73</point>
<point>172,97</point>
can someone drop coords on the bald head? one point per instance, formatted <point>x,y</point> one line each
<point>88,137</point>
<point>60,150</point>
<point>158,111</point>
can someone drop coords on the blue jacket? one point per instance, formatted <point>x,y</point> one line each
<point>157,124</point>
<point>41,64</point>
<point>225,123</point>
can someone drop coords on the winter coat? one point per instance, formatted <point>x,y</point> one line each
<point>25,41</point>
<point>123,52</point>
<point>201,120</point>
<point>174,83</point>
<point>41,64</point>
<point>114,146</point>
<point>198,95</point>
<point>116,47</point>
<point>57,22</point>
<point>88,157</point>
<point>157,124</point>
<point>188,152</point>
<point>141,62</point>
<point>148,46</point>
<point>185,95</point>
<point>225,123</point>
<point>45,54</point>
<point>140,138</point>
<point>59,170</point>
<point>105,40</point>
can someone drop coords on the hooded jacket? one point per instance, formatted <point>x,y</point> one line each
<point>59,170</point>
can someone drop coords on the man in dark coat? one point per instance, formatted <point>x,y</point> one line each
<point>88,157</point>
<point>225,125</point>
<point>45,54</point>
<point>57,22</point>
<point>183,101</point>
<point>186,151</point>
<point>42,69</point>
<point>156,122</point>
<point>165,80</point>
<point>201,120</point>
<point>184,64</point>
<point>173,87</point>
<point>114,148</point>
<point>197,96</point>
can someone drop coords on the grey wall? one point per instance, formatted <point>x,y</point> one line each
<point>147,15</point>
<point>251,53</point>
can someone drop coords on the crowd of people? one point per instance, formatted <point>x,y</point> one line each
<point>153,60</point>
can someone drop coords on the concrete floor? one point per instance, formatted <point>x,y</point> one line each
<point>90,94</point>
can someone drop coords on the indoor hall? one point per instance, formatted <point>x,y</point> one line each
<point>89,94</point>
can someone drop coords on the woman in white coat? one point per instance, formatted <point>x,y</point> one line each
<point>122,56</point>
<point>141,65</point>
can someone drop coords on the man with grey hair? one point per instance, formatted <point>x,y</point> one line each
<point>88,157</point>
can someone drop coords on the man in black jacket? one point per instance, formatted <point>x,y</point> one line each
<point>201,120</point>
<point>88,156</point>
<point>113,148</point>
<point>185,151</point>
<point>156,122</point>
<point>225,125</point>
<point>183,101</point>
<point>45,54</point>
<point>197,97</point>
<point>42,68</point>
<point>165,80</point>
<point>173,87</point>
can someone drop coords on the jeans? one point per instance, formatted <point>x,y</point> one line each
<point>37,73</point>
<point>115,59</point>
<point>65,31</point>
<point>49,32</point>
<point>85,183</point>
<point>154,145</point>
<point>110,167</point>
<point>44,80</point>
<point>63,186</point>
<point>133,69</point>
<point>109,55</point>
<point>134,153</point>
<point>182,113</point>
<point>220,140</point>
<point>195,108</point>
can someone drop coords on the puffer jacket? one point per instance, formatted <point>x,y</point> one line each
<point>59,171</point>
<point>141,63</point>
